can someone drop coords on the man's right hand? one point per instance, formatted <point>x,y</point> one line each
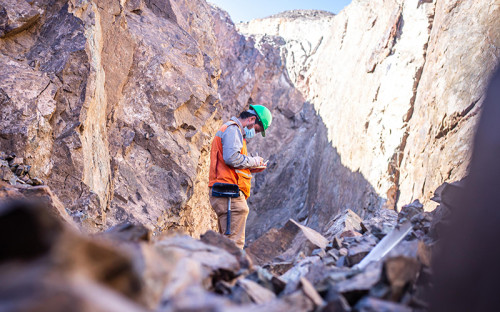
<point>259,161</point>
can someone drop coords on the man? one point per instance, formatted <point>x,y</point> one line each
<point>230,163</point>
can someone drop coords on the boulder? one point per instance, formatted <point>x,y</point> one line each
<point>209,263</point>
<point>128,232</point>
<point>40,194</point>
<point>215,239</point>
<point>43,258</point>
<point>285,243</point>
<point>346,221</point>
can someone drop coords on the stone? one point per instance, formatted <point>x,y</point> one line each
<point>7,175</point>
<point>319,252</point>
<point>335,302</point>
<point>336,242</point>
<point>400,272</point>
<point>334,254</point>
<point>278,268</point>
<point>343,251</point>
<point>381,223</point>
<point>17,16</point>
<point>286,243</point>
<point>350,233</point>
<point>36,181</point>
<point>311,292</point>
<point>40,194</point>
<point>218,240</point>
<point>128,232</point>
<point>357,253</point>
<point>62,254</point>
<point>360,284</point>
<point>257,293</point>
<point>267,280</point>
<point>347,221</point>
<point>368,304</point>
<point>409,211</point>
<point>16,162</point>
<point>214,263</point>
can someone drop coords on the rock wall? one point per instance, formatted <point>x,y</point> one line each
<point>305,179</point>
<point>114,104</point>
<point>397,83</point>
<point>117,118</point>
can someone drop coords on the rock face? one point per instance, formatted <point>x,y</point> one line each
<point>116,118</point>
<point>114,103</point>
<point>396,85</point>
<point>305,178</point>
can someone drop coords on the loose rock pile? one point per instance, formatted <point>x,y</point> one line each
<point>14,171</point>
<point>47,265</point>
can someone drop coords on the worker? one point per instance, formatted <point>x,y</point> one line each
<point>230,163</point>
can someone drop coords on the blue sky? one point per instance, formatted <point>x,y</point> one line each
<point>245,10</point>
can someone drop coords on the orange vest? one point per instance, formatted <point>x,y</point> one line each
<point>222,173</point>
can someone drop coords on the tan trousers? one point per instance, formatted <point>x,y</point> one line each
<point>239,213</point>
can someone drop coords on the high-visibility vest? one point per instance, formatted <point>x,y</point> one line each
<point>222,173</point>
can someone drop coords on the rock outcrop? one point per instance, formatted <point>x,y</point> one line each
<point>115,117</point>
<point>113,104</point>
<point>396,84</point>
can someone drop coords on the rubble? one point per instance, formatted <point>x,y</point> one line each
<point>15,172</point>
<point>284,244</point>
<point>176,272</point>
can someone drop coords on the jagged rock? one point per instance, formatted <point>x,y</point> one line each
<point>16,161</point>
<point>267,280</point>
<point>350,233</point>
<point>424,253</point>
<point>256,293</point>
<point>383,221</point>
<point>336,242</point>
<point>358,251</point>
<point>335,302</point>
<point>409,211</point>
<point>61,257</point>
<point>368,304</point>
<point>218,240</point>
<point>214,263</point>
<point>311,292</point>
<point>39,194</point>
<point>7,175</point>
<point>359,285</point>
<point>16,16</point>
<point>285,243</point>
<point>129,232</point>
<point>278,268</point>
<point>36,181</point>
<point>400,272</point>
<point>347,221</point>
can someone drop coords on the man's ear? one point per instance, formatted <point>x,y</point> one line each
<point>252,120</point>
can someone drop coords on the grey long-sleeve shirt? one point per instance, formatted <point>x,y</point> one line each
<point>232,143</point>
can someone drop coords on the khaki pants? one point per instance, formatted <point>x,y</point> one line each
<point>239,213</point>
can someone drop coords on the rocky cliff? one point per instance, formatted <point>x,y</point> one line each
<point>398,84</point>
<point>114,103</point>
<point>108,108</point>
<point>115,117</point>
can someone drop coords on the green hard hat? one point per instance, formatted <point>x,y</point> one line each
<point>264,115</point>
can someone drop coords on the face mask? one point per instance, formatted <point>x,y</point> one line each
<point>249,133</point>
